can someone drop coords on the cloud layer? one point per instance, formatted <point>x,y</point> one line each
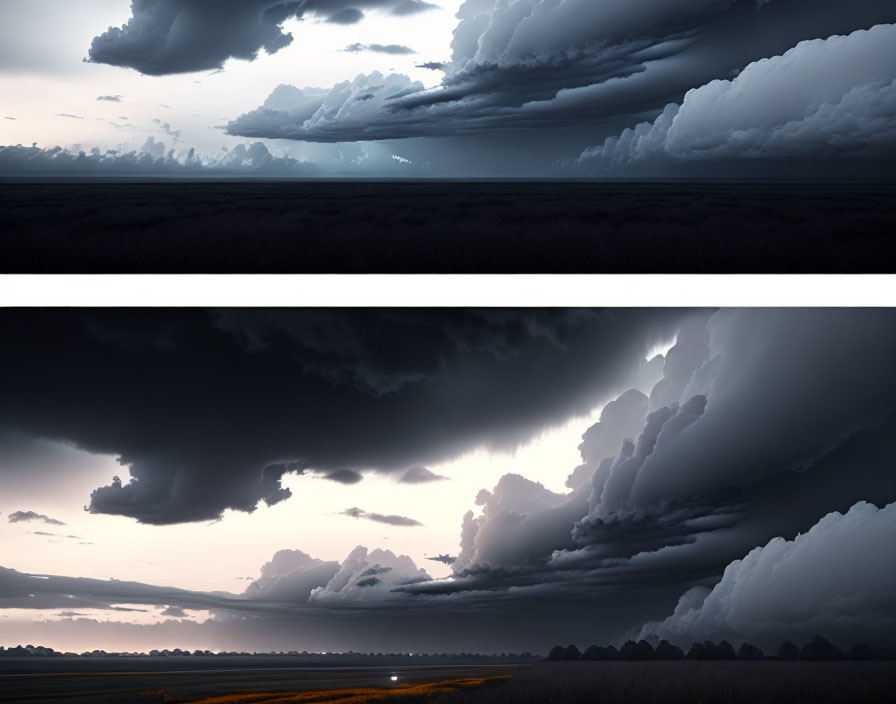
<point>152,159</point>
<point>543,64</point>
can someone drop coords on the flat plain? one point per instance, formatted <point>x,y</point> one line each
<point>447,227</point>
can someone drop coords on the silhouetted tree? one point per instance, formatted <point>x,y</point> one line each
<point>558,652</point>
<point>570,652</point>
<point>666,651</point>
<point>788,651</point>
<point>821,649</point>
<point>860,651</point>
<point>748,651</point>
<point>594,652</point>
<point>725,651</point>
<point>696,652</point>
<point>611,653</point>
<point>642,650</point>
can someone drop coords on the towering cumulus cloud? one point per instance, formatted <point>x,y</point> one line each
<point>831,579</point>
<point>178,36</point>
<point>779,107</point>
<point>764,423</point>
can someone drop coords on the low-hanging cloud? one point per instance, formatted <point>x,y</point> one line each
<point>391,520</point>
<point>829,580</point>
<point>776,108</point>
<point>180,36</point>
<point>394,49</point>
<point>419,475</point>
<point>22,516</point>
<point>152,159</point>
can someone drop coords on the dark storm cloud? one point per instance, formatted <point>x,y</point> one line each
<point>179,36</point>
<point>20,516</point>
<point>433,65</point>
<point>542,64</point>
<point>390,520</point>
<point>396,49</point>
<point>199,405</point>
<point>419,475</point>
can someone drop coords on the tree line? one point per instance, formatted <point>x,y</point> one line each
<point>817,649</point>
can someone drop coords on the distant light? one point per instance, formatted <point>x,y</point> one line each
<point>394,678</point>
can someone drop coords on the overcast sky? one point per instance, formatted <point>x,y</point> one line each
<point>479,87</point>
<point>432,480</point>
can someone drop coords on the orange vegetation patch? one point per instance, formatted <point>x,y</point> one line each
<point>360,695</point>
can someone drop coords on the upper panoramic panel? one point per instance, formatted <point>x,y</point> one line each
<point>450,136</point>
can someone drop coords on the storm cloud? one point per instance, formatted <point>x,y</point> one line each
<point>529,64</point>
<point>750,484</point>
<point>330,393</point>
<point>784,417</point>
<point>180,36</point>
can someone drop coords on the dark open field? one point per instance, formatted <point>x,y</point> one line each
<point>450,227</point>
<point>683,682</point>
<point>102,681</point>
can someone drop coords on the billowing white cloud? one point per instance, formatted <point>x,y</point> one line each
<point>291,576</point>
<point>368,576</point>
<point>778,107</point>
<point>832,580</point>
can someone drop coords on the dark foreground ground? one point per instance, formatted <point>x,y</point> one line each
<point>151,681</point>
<point>686,682</point>
<point>450,227</point>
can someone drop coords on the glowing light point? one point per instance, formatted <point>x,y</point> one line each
<point>394,678</point>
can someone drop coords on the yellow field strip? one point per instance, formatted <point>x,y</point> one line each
<point>360,695</point>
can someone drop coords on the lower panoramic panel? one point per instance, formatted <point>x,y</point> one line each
<point>458,505</point>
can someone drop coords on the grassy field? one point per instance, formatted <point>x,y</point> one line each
<point>435,227</point>
<point>690,682</point>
